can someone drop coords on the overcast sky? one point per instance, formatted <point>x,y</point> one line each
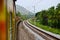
<point>39,4</point>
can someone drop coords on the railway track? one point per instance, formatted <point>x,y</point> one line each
<point>41,33</point>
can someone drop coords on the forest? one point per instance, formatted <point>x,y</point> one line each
<point>50,17</point>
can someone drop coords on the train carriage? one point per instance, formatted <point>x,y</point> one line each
<point>7,20</point>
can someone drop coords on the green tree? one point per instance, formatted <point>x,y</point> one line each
<point>50,17</point>
<point>58,14</point>
<point>18,14</point>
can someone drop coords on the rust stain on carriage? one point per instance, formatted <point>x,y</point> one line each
<point>1,5</point>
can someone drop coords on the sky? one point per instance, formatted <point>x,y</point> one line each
<point>38,5</point>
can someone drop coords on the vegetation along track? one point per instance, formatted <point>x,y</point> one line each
<point>41,33</point>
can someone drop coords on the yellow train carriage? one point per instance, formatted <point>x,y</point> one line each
<point>7,20</point>
<point>2,21</point>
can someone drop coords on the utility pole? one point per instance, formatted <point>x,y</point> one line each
<point>34,8</point>
<point>34,14</point>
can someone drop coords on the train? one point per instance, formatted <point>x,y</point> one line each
<point>7,20</point>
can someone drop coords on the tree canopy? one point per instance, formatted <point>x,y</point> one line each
<point>50,17</point>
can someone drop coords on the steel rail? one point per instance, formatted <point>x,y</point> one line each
<point>41,33</point>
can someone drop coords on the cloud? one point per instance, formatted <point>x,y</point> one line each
<point>39,4</point>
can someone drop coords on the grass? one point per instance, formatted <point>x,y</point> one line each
<point>47,28</point>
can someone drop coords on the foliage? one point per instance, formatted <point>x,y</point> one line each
<point>18,14</point>
<point>25,16</point>
<point>47,28</point>
<point>22,17</point>
<point>50,17</point>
